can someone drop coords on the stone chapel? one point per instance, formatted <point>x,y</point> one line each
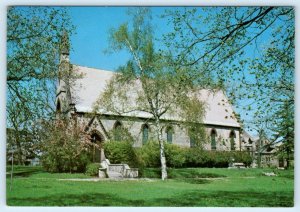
<point>222,126</point>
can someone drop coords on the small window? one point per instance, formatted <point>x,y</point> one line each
<point>145,130</point>
<point>169,135</point>
<point>58,107</point>
<point>192,142</point>
<point>117,125</point>
<point>213,139</point>
<point>193,137</point>
<point>232,143</point>
<point>118,131</point>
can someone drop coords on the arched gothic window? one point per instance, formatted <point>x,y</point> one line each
<point>169,132</point>
<point>232,143</point>
<point>213,142</point>
<point>192,142</point>
<point>58,106</point>
<point>145,131</point>
<point>117,125</point>
<point>117,131</point>
<point>250,141</point>
<point>192,137</point>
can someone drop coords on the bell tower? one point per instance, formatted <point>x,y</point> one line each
<point>63,93</point>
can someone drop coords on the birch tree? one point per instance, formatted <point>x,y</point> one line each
<point>149,83</point>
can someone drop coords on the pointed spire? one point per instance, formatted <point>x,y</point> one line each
<point>65,44</point>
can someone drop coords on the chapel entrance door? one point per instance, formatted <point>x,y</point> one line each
<point>281,162</point>
<point>96,139</point>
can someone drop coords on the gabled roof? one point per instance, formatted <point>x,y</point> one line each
<point>246,136</point>
<point>88,88</point>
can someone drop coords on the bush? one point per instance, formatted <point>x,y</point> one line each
<point>92,169</point>
<point>121,152</point>
<point>64,147</point>
<point>175,155</point>
<point>220,159</point>
<point>243,157</point>
<point>195,158</point>
<point>149,155</point>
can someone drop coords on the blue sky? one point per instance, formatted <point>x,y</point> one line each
<point>92,28</point>
<point>91,38</point>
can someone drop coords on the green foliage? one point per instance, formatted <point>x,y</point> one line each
<point>121,152</point>
<point>64,147</point>
<point>259,84</point>
<point>285,128</point>
<point>33,36</point>
<point>92,169</point>
<point>149,154</point>
<point>219,159</point>
<point>175,155</point>
<point>189,157</point>
<point>120,133</point>
<point>243,157</point>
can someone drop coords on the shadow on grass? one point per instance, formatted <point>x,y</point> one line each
<point>91,199</point>
<point>229,199</point>
<point>179,173</point>
<point>188,199</point>
<point>25,171</point>
<point>193,180</point>
<point>191,173</point>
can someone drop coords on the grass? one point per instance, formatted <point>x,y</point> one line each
<point>186,187</point>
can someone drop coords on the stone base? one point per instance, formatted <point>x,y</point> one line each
<point>102,173</point>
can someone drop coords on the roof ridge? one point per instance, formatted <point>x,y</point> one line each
<point>93,68</point>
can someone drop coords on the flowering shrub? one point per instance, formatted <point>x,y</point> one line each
<point>64,147</point>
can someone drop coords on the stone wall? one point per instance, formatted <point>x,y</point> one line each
<point>180,137</point>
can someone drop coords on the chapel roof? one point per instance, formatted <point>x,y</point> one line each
<point>88,89</point>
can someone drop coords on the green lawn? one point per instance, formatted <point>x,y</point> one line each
<point>186,187</point>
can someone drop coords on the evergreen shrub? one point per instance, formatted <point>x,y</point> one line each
<point>121,152</point>
<point>149,154</point>
<point>175,155</point>
<point>219,159</point>
<point>92,169</point>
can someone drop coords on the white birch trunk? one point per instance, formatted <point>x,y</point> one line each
<point>164,173</point>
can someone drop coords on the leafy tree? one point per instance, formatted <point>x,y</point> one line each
<point>285,131</point>
<point>248,50</point>
<point>33,37</point>
<point>150,83</point>
<point>65,146</point>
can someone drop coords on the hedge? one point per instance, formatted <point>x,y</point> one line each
<point>177,157</point>
<point>121,152</point>
<point>92,169</point>
<point>184,157</point>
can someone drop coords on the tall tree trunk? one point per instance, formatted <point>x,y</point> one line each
<point>288,158</point>
<point>19,154</point>
<point>164,173</point>
<point>259,149</point>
